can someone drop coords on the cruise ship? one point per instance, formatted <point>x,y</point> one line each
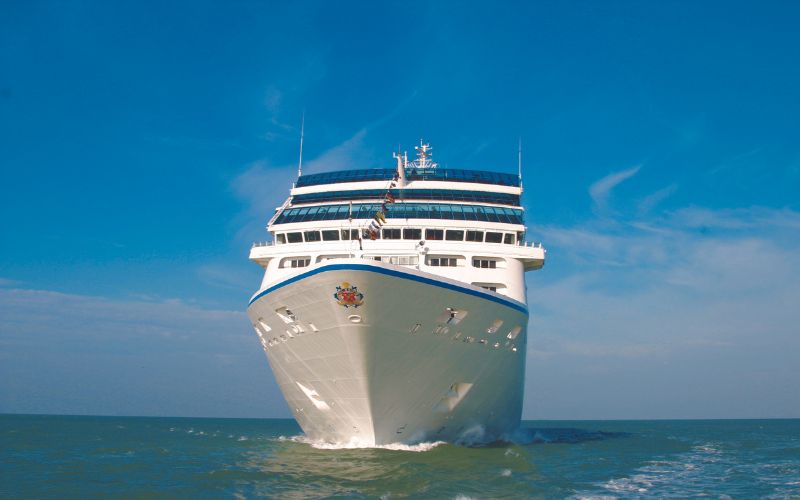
<point>393,304</point>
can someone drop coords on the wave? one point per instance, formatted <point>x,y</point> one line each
<point>567,435</point>
<point>356,444</point>
<point>698,472</point>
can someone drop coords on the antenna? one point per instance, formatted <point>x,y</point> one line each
<point>302,128</point>
<point>519,162</point>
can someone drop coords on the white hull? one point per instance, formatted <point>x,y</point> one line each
<point>359,374</point>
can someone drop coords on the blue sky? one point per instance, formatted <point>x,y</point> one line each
<point>144,145</point>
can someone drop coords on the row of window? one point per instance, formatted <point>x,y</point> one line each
<point>408,233</point>
<point>403,260</point>
<point>402,211</point>
<point>412,174</point>
<point>409,194</point>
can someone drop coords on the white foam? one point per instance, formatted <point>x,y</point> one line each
<point>506,473</point>
<point>355,444</point>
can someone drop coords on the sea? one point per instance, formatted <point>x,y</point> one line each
<point>139,457</point>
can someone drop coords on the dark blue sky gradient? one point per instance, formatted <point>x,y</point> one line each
<point>137,138</point>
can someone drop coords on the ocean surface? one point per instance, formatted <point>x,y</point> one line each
<point>80,457</point>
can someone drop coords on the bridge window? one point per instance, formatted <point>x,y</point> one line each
<point>454,235</point>
<point>312,236</point>
<point>434,234</point>
<point>494,237</point>
<point>391,234</point>
<point>330,235</point>
<point>475,236</point>
<point>294,237</point>
<point>349,234</point>
<point>508,239</point>
<point>412,233</point>
<point>484,263</point>
<point>280,238</point>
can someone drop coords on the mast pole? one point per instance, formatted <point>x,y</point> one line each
<point>300,161</point>
<point>519,162</point>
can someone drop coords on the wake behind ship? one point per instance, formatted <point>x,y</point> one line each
<point>393,307</point>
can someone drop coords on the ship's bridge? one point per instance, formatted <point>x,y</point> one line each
<point>415,215</point>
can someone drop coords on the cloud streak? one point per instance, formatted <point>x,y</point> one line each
<point>600,191</point>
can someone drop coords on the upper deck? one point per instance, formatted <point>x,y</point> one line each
<point>412,173</point>
<point>466,225</point>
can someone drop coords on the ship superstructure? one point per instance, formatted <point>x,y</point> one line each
<point>392,307</point>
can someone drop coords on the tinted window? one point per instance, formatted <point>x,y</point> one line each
<point>474,235</point>
<point>434,234</point>
<point>508,239</point>
<point>331,234</point>
<point>408,194</point>
<point>494,237</point>
<point>312,236</point>
<point>391,234</point>
<point>412,234</point>
<point>445,174</point>
<point>454,235</point>
<point>484,263</point>
<point>402,211</point>
<point>280,238</point>
<point>294,237</point>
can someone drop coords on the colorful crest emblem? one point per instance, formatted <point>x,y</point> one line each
<point>348,295</point>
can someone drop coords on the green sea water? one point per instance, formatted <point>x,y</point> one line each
<point>85,457</point>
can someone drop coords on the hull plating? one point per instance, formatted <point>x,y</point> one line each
<point>421,358</point>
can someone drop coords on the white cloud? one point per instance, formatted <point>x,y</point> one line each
<point>67,353</point>
<point>632,322</point>
<point>652,200</point>
<point>348,155</point>
<point>601,190</point>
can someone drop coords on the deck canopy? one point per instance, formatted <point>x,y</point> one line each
<point>412,174</point>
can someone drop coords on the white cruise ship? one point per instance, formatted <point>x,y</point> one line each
<point>393,305</point>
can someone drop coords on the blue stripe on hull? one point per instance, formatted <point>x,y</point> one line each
<point>397,274</point>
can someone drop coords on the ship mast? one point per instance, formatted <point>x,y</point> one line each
<point>423,160</point>
<point>300,161</point>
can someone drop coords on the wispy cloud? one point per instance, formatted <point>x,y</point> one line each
<point>652,200</point>
<point>73,353</point>
<point>689,312</point>
<point>600,191</point>
<point>348,155</point>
